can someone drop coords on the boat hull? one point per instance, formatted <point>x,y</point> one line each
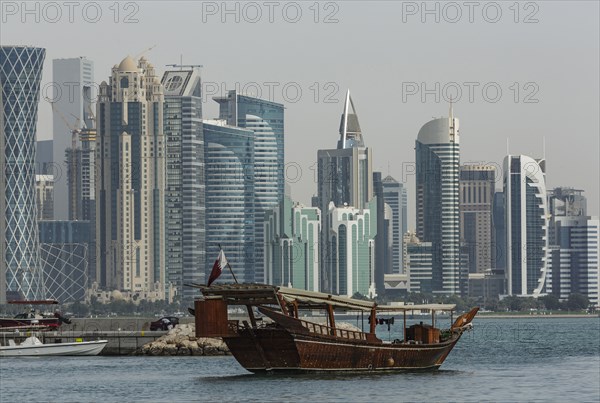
<point>22,323</point>
<point>267,350</point>
<point>86,348</point>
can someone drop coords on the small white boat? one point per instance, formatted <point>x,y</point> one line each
<point>32,346</point>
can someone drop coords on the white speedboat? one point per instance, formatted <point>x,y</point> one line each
<point>32,346</point>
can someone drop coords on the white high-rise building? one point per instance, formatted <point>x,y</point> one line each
<point>73,86</point>
<point>575,256</point>
<point>185,198</point>
<point>437,152</point>
<point>345,177</point>
<point>44,185</point>
<point>574,246</point>
<point>526,225</point>
<point>130,186</point>
<point>351,238</point>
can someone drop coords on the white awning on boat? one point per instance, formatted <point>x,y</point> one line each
<point>263,294</point>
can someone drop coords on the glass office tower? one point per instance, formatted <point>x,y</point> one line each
<point>20,76</point>
<point>230,197</point>
<point>526,224</point>
<point>265,118</point>
<point>185,210</point>
<point>437,152</point>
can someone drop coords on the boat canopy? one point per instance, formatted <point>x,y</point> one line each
<point>263,294</point>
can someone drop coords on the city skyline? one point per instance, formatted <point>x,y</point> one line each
<point>378,88</point>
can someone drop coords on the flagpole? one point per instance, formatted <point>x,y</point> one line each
<point>231,270</point>
<point>229,266</point>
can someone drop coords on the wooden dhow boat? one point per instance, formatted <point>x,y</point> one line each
<point>287,342</point>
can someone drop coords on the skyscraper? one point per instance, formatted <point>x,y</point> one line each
<point>20,76</point>
<point>345,177</point>
<point>73,85</point>
<point>229,162</point>
<point>499,217</point>
<point>185,189</point>
<point>395,195</point>
<point>526,224</point>
<point>80,166</point>
<point>130,186</point>
<point>574,246</point>
<point>383,239</point>
<point>2,203</point>
<point>292,245</point>
<point>437,200</point>
<point>351,238</point>
<point>266,120</point>
<point>43,157</point>
<point>43,197</point>
<point>418,263</point>
<point>477,188</point>
<point>564,202</point>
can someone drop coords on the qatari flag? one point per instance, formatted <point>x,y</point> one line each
<point>218,267</point>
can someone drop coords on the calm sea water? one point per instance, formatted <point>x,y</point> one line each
<point>500,360</point>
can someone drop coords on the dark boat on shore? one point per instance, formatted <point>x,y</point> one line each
<point>286,342</point>
<point>33,318</point>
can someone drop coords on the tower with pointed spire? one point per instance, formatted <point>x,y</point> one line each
<point>345,180</point>
<point>350,133</point>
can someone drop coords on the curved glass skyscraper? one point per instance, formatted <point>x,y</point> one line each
<point>526,218</point>
<point>20,75</point>
<point>230,198</point>
<point>265,119</point>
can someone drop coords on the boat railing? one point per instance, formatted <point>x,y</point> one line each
<point>330,331</point>
<point>233,326</point>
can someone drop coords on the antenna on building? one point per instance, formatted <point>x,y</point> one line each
<point>544,147</point>
<point>181,66</point>
<point>507,147</point>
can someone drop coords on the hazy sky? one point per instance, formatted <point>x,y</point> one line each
<point>386,52</point>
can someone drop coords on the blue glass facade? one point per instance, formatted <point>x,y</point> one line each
<point>230,198</point>
<point>266,119</point>
<point>185,189</point>
<point>20,75</point>
<point>395,195</point>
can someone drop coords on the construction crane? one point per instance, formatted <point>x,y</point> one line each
<point>72,158</point>
<point>143,52</point>
<point>91,115</point>
<point>74,128</point>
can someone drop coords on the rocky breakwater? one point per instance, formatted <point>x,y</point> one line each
<point>182,340</point>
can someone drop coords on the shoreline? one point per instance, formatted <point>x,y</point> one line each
<point>525,316</point>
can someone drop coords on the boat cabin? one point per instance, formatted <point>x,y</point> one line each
<point>212,320</point>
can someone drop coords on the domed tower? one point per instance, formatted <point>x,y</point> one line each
<point>130,186</point>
